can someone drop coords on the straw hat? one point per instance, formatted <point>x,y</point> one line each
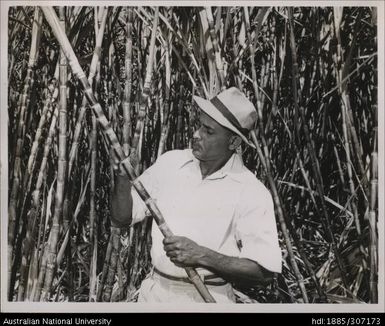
<point>232,110</point>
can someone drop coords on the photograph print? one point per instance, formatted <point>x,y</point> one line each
<point>192,154</point>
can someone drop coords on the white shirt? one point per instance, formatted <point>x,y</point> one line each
<point>230,211</point>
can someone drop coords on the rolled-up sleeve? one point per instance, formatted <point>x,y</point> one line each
<point>256,228</point>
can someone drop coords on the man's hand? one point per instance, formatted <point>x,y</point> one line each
<point>182,251</point>
<point>116,164</point>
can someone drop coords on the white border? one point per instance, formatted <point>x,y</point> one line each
<point>137,307</point>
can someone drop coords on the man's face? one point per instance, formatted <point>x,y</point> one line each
<point>211,141</point>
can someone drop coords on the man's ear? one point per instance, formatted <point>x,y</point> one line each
<point>234,142</point>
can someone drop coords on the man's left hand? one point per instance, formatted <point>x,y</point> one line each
<point>182,251</point>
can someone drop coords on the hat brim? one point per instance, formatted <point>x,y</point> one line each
<point>209,108</point>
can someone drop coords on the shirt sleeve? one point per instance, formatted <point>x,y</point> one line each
<point>256,230</point>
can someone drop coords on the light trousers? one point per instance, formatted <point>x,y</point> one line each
<point>156,288</point>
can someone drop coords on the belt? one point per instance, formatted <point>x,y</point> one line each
<point>207,279</point>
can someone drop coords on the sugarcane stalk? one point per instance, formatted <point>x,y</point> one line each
<point>53,21</point>
<point>67,230</point>
<point>137,248</point>
<point>178,135</point>
<point>130,289</point>
<point>147,253</point>
<point>214,41</point>
<point>115,235</point>
<point>145,248</point>
<point>93,277</point>
<point>75,138</point>
<point>276,79</point>
<point>33,273</point>
<point>128,83</point>
<point>279,50</point>
<point>39,284</point>
<point>110,93</point>
<point>93,215</point>
<point>253,70</point>
<point>24,101</point>
<point>140,242</point>
<point>93,147</point>
<point>52,94</point>
<point>264,83</point>
<point>347,146</point>
<point>357,147</point>
<point>37,290</point>
<point>37,262</point>
<point>340,173</point>
<point>62,172</point>
<point>295,74</point>
<point>27,246</point>
<point>373,283</point>
<point>105,269</point>
<point>237,62</point>
<point>165,127</point>
<point>147,83</point>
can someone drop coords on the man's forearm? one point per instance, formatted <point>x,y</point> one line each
<point>237,270</point>
<point>121,202</point>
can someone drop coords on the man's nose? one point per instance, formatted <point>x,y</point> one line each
<point>196,134</point>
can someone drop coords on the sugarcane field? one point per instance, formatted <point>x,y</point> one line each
<point>90,86</point>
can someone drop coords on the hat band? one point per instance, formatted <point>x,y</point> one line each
<point>228,115</point>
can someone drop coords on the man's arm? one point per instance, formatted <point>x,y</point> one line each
<point>121,202</point>
<point>242,271</point>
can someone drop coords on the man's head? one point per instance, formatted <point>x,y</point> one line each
<point>212,141</point>
<point>225,122</point>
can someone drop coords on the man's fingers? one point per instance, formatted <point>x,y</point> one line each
<point>169,247</point>
<point>172,253</point>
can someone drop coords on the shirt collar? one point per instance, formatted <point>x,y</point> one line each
<point>233,168</point>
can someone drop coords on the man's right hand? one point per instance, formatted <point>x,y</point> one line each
<point>117,164</point>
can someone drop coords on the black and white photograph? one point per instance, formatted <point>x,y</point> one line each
<point>192,156</point>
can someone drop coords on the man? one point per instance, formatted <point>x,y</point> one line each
<point>223,216</point>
